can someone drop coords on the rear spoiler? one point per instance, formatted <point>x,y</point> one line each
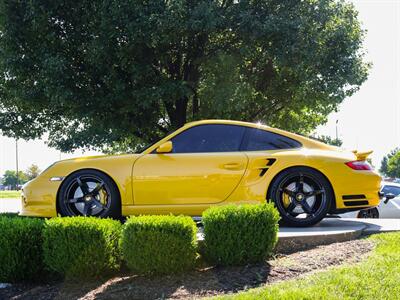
<point>362,155</point>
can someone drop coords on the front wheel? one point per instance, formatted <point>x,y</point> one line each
<point>302,196</point>
<point>89,193</point>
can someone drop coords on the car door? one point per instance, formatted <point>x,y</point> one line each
<point>204,167</point>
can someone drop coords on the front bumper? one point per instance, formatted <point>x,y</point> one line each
<point>38,198</point>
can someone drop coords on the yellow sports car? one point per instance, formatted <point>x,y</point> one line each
<point>211,162</point>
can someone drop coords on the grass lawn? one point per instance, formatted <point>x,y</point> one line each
<point>10,194</point>
<point>376,277</point>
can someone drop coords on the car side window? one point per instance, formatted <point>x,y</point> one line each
<point>209,138</point>
<point>391,189</point>
<point>259,139</point>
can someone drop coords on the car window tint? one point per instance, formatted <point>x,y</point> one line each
<point>390,189</point>
<point>266,140</point>
<point>209,138</point>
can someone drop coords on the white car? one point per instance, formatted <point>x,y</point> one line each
<point>389,210</point>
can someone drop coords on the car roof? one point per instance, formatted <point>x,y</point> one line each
<point>307,142</point>
<point>232,122</point>
<point>385,183</point>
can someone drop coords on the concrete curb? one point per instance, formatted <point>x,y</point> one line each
<point>297,243</point>
<point>328,231</point>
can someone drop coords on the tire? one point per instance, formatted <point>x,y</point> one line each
<point>302,196</point>
<point>89,193</point>
<point>370,213</point>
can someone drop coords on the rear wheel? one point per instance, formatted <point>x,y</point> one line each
<point>302,196</point>
<point>89,193</point>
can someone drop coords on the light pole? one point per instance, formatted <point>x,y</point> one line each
<point>16,162</point>
<point>337,136</point>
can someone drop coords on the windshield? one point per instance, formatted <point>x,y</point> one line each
<point>144,147</point>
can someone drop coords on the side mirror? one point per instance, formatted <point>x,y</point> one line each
<point>165,147</point>
<point>389,196</point>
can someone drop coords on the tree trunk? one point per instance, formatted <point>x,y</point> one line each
<point>195,110</point>
<point>178,118</point>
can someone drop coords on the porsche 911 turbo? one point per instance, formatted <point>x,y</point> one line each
<point>205,163</point>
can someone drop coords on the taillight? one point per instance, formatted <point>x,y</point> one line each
<point>359,165</point>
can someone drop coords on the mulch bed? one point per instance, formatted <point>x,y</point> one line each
<point>207,281</point>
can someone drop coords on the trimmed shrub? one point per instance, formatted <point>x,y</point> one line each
<point>235,235</point>
<point>82,247</point>
<point>20,248</point>
<point>159,244</point>
<point>9,214</point>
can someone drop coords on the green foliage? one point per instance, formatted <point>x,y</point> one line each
<point>235,235</point>
<point>82,247</point>
<point>20,248</point>
<point>32,172</point>
<point>393,165</point>
<point>329,140</point>
<point>9,214</point>
<point>394,169</point>
<point>73,69</point>
<point>376,277</point>
<point>384,166</point>
<point>10,178</point>
<point>159,244</point>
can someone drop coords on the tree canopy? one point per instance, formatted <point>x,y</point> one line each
<point>390,164</point>
<point>329,140</point>
<point>394,165</point>
<point>10,178</point>
<point>32,171</point>
<point>100,73</point>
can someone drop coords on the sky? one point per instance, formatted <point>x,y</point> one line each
<point>368,120</point>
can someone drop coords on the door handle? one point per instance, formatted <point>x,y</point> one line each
<point>232,166</point>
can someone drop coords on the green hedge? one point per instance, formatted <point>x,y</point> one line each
<point>159,244</point>
<point>20,248</point>
<point>82,247</point>
<point>235,235</point>
<point>9,214</point>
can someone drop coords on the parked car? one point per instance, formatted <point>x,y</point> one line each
<point>211,162</point>
<point>388,210</point>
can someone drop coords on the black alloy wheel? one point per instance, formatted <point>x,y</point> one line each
<point>89,193</point>
<point>370,213</point>
<point>302,196</point>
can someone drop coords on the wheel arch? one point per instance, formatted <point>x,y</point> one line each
<point>86,169</point>
<point>333,204</point>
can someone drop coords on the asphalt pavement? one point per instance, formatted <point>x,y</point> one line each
<point>10,205</point>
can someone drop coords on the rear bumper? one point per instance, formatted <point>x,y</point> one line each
<point>354,205</point>
<point>355,190</point>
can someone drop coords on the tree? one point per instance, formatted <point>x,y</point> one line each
<point>384,169</point>
<point>105,73</point>
<point>10,178</point>
<point>384,166</point>
<point>394,165</point>
<point>329,140</point>
<point>32,172</point>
